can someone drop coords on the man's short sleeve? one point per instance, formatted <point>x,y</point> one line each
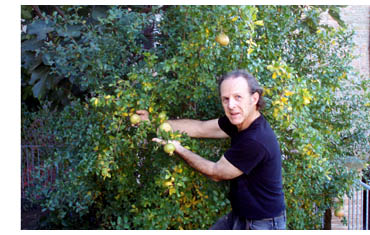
<point>227,127</point>
<point>245,155</point>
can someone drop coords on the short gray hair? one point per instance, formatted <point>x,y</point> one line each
<point>252,84</point>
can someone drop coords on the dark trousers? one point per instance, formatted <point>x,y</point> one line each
<point>234,222</point>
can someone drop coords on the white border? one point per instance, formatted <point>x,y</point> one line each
<point>10,96</point>
<point>196,2</point>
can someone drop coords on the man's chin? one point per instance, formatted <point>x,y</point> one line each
<point>235,121</point>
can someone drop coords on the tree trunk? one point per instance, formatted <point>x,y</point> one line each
<point>327,219</point>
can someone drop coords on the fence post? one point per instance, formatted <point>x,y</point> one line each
<point>358,207</point>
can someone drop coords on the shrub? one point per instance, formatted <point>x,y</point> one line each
<point>117,178</point>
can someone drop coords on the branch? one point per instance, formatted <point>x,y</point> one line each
<point>37,9</point>
<point>164,8</point>
<point>146,9</point>
<point>59,11</point>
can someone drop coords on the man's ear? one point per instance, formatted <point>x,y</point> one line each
<point>255,97</point>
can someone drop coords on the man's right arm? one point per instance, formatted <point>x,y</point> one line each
<point>198,129</point>
<point>193,128</point>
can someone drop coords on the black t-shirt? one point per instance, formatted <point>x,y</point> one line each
<point>258,193</point>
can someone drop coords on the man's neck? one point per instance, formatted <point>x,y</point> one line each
<point>249,121</point>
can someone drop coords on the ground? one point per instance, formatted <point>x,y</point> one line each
<point>30,216</point>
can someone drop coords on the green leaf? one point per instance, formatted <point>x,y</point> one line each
<point>39,89</point>
<point>40,28</point>
<point>70,31</point>
<point>47,59</point>
<point>39,74</point>
<point>99,12</point>
<point>31,45</point>
<point>30,61</point>
<point>26,12</point>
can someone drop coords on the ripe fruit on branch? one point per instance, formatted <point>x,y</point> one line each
<point>135,119</point>
<point>169,148</point>
<point>339,212</point>
<point>162,116</point>
<point>165,127</point>
<point>223,39</point>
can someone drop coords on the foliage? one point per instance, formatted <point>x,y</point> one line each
<point>306,72</point>
<point>118,178</point>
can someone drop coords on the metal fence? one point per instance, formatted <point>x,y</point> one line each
<point>37,176</point>
<point>358,207</point>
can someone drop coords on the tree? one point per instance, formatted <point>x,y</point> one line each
<point>167,59</point>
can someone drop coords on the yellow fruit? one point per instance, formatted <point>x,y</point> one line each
<point>339,212</point>
<point>162,116</point>
<point>165,127</point>
<point>169,148</point>
<point>135,119</point>
<point>168,183</point>
<point>223,39</point>
<point>259,22</point>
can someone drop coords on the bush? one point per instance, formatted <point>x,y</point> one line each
<point>117,178</point>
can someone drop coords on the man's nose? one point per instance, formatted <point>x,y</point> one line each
<point>231,103</point>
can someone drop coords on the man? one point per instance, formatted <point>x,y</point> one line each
<point>253,162</point>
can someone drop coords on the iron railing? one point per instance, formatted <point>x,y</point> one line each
<point>37,176</point>
<point>358,207</point>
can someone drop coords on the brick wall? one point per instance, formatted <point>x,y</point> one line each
<point>358,19</point>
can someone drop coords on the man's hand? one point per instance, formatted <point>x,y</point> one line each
<point>170,146</point>
<point>176,143</point>
<point>144,115</point>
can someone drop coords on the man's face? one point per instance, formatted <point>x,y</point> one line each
<point>239,105</point>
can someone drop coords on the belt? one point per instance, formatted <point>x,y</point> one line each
<point>272,218</point>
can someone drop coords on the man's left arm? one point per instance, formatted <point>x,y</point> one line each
<point>217,171</point>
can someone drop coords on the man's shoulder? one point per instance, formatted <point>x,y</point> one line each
<point>261,136</point>
<point>225,125</point>
<point>261,128</point>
